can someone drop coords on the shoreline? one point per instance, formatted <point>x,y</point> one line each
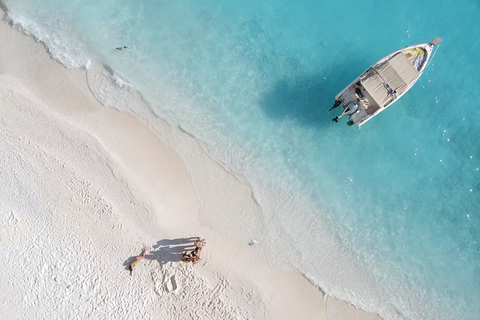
<point>157,183</point>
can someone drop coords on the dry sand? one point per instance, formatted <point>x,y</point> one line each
<point>84,187</point>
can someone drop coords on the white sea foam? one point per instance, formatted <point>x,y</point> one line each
<point>70,53</point>
<point>112,91</point>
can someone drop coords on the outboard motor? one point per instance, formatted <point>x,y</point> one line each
<point>351,108</point>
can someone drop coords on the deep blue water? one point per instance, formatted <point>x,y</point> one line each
<point>253,81</point>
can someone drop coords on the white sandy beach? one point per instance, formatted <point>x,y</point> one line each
<point>84,186</point>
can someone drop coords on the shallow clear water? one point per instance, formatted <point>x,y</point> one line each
<point>253,82</point>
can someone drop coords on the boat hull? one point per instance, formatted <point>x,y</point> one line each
<point>383,83</point>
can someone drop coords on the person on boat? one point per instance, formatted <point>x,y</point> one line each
<point>358,90</point>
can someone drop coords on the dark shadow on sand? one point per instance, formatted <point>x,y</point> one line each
<point>170,250</point>
<point>166,250</point>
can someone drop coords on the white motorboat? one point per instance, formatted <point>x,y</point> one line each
<point>384,83</point>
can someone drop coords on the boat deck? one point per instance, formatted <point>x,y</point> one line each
<point>416,56</point>
<point>383,83</point>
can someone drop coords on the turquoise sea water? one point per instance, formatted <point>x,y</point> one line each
<point>253,81</point>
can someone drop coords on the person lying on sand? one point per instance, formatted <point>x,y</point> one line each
<point>137,259</point>
<point>194,256</point>
<point>200,243</point>
<point>186,257</point>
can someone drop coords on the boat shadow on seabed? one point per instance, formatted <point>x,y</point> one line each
<point>306,98</point>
